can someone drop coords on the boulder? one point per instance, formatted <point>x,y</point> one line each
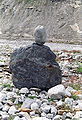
<point>35,65</point>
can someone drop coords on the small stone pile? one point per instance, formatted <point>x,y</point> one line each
<point>34,104</point>
<point>35,65</point>
<point>61,102</point>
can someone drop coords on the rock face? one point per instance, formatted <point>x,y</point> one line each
<point>35,66</point>
<point>62,18</point>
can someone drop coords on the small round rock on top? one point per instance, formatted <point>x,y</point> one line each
<point>40,35</point>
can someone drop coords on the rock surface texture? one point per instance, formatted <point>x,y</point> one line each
<point>61,18</point>
<point>35,66</point>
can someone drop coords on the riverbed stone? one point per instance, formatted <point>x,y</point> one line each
<point>35,66</point>
<point>27,103</point>
<point>40,35</point>
<point>57,92</point>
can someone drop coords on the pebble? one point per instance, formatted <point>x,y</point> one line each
<point>59,103</point>
<point>34,106</point>
<point>12,110</point>
<point>49,116</point>
<point>46,108</point>
<point>57,117</point>
<point>27,103</point>
<point>69,115</point>
<point>6,107</point>
<point>24,90</point>
<point>1,106</point>
<point>32,113</point>
<point>78,114</point>
<point>53,110</point>
<point>69,101</point>
<point>2,96</point>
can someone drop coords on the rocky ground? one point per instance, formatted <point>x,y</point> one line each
<point>63,102</point>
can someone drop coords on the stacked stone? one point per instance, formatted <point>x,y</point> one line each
<point>35,65</point>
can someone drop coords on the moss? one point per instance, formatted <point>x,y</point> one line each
<point>74,97</point>
<point>79,69</point>
<point>50,100</point>
<point>6,85</point>
<point>18,105</point>
<point>31,97</point>
<point>10,117</point>
<point>1,0</point>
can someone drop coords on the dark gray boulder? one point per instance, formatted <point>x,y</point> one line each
<point>35,66</point>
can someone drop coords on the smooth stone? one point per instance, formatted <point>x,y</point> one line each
<point>40,118</point>
<point>6,108</point>
<point>69,101</point>
<point>79,96</point>
<point>64,116</point>
<point>40,35</point>
<point>1,106</point>
<point>59,103</point>
<point>12,110</point>
<point>27,103</point>
<point>69,89</point>
<point>34,106</point>
<point>11,94</point>
<point>69,115</point>
<point>49,116</point>
<point>2,97</point>
<point>53,110</point>
<point>32,113</point>
<point>57,92</point>
<point>67,93</point>
<point>78,114</point>
<point>57,117</point>
<point>1,70</point>
<point>18,118</point>
<point>46,108</point>
<point>22,98</point>
<point>5,117</point>
<point>35,89</point>
<point>5,81</point>
<point>43,114</point>
<point>24,90</point>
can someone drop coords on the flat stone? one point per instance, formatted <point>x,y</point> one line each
<point>24,90</point>
<point>27,103</point>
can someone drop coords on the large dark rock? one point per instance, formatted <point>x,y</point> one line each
<point>35,66</point>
